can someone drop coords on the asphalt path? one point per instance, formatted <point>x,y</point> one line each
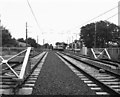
<point>56,78</point>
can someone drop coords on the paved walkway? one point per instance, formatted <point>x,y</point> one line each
<point>56,78</point>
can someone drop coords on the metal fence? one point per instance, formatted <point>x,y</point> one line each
<point>12,50</point>
<point>26,66</point>
<point>111,53</point>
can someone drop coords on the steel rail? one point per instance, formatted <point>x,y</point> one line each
<point>102,61</point>
<point>20,84</point>
<point>98,67</point>
<point>25,71</point>
<point>103,86</point>
<point>32,69</point>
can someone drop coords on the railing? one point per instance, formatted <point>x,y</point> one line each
<point>26,67</point>
<point>100,53</point>
<point>12,50</point>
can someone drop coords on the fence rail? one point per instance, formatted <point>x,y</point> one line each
<point>26,66</point>
<point>112,53</point>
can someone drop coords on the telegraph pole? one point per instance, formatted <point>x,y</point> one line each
<point>72,42</point>
<point>119,13</point>
<point>95,36</point>
<point>43,41</point>
<point>37,40</point>
<point>0,37</point>
<point>26,35</point>
<point>0,19</point>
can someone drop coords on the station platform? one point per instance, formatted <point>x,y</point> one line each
<point>56,78</point>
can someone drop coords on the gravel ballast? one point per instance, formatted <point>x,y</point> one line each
<point>116,71</point>
<point>56,78</point>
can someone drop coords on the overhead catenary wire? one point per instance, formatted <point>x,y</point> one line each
<point>104,14</point>
<point>33,14</point>
<point>100,15</point>
<point>112,16</point>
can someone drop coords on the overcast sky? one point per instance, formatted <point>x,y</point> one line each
<point>59,20</point>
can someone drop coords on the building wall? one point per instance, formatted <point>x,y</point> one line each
<point>22,44</point>
<point>114,53</point>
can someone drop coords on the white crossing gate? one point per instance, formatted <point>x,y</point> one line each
<point>100,53</point>
<point>24,71</point>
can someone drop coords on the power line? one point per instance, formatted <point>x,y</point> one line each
<point>112,16</point>
<point>101,14</point>
<point>33,14</point>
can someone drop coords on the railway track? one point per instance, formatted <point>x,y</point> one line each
<point>9,84</point>
<point>115,63</point>
<point>110,63</point>
<point>103,83</point>
<point>109,66</point>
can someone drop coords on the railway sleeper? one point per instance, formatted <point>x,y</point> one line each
<point>102,85</point>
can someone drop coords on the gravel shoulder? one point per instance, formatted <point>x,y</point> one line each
<point>56,78</point>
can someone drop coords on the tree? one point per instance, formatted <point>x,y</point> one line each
<point>21,40</point>
<point>61,43</point>
<point>64,45</point>
<point>46,45</point>
<point>105,33</point>
<point>50,46</point>
<point>32,42</point>
<point>87,35</point>
<point>57,43</point>
<point>7,39</point>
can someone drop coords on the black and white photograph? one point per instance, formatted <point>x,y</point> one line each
<point>60,47</point>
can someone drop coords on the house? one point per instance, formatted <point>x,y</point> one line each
<point>22,44</point>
